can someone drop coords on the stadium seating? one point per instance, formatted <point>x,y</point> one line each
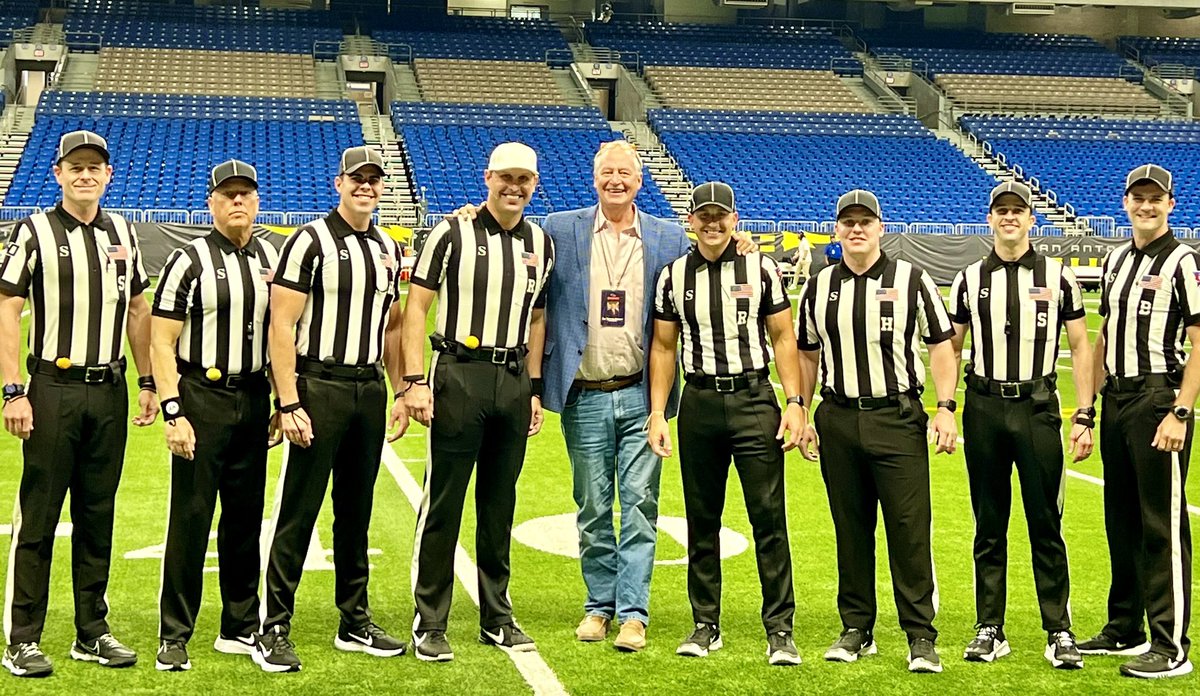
<point>192,71</point>
<point>1085,160</point>
<point>163,147</point>
<point>477,38</point>
<point>1153,50</point>
<point>794,166</point>
<point>460,80</point>
<point>741,46</point>
<point>998,53</point>
<point>1041,93</point>
<point>449,144</point>
<point>756,89</point>
<point>16,14</point>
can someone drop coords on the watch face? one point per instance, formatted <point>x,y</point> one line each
<point>171,408</point>
<point>1182,412</point>
<point>13,389</point>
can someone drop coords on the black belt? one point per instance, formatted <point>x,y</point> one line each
<point>512,358</point>
<point>236,381</point>
<point>609,385</point>
<point>1122,385</point>
<point>1011,390</point>
<point>726,384</point>
<point>113,372</point>
<point>327,369</point>
<point>868,403</point>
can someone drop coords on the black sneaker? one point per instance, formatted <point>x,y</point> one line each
<point>274,652</point>
<point>989,645</point>
<point>509,638</point>
<point>172,657</point>
<point>432,646</point>
<point>705,639</point>
<point>852,644</point>
<point>106,650</point>
<point>781,649</point>
<point>237,645</point>
<point>923,657</point>
<point>370,639</point>
<point>1155,665</point>
<point>1104,644</point>
<point>1062,652</point>
<point>26,660</point>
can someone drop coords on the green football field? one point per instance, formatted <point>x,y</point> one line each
<point>547,594</point>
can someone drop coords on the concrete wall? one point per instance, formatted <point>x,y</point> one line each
<point>697,11</point>
<point>1102,23</point>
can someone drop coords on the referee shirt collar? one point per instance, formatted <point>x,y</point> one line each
<point>1167,241</point>
<point>696,259</point>
<point>993,260</point>
<point>226,246</point>
<point>342,229</point>
<point>489,222</point>
<point>875,272</point>
<point>71,223</point>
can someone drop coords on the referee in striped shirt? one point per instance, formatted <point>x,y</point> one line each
<point>861,320</point>
<point>81,270</point>
<point>334,317</point>
<point>1150,301</point>
<point>482,400</point>
<point>208,342</point>
<point>1015,302</point>
<point>726,306</point>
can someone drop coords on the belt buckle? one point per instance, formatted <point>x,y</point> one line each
<point>864,403</point>
<point>231,381</point>
<point>1010,390</point>
<point>719,381</point>
<point>499,356</point>
<point>95,375</point>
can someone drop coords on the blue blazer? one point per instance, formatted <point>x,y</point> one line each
<point>567,298</point>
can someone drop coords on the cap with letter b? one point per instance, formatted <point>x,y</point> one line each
<point>1152,173</point>
<point>74,140</point>
<point>860,197</point>
<point>715,193</point>
<point>231,169</point>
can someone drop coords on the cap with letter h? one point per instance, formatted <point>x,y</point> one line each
<point>1152,173</point>
<point>859,197</point>
<point>74,140</point>
<point>231,169</point>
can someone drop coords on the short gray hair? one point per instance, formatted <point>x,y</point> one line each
<point>616,146</point>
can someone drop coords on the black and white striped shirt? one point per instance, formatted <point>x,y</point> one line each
<point>1148,298</point>
<point>79,278</point>
<point>351,279</point>
<point>488,280</point>
<point>867,326</point>
<point>1016,311</point>
<point>221,294</point>
<point>722,307</point>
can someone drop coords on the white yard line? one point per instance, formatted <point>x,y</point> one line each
<point>532,667</point>
<point>1192,509</point>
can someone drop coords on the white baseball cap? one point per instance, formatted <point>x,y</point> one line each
<point>513,156</point>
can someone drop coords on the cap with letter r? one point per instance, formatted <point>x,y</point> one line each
<point>1016,188</point>
<point>1152,173</point>
<point>231,169</point>
<point>355,158</point>
<point>715,193</point>
<point>860,197</point>
<point>74,140</point>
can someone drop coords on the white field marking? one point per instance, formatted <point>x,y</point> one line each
<point>317,557</point>
<point>1192,509</point>
<point>532,667</point>
<point>25,313</point>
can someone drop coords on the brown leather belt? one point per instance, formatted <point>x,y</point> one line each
<point>609,385</point>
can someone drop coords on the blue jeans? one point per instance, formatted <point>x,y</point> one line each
<point>607,445</point>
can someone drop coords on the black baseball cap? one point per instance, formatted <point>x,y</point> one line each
<point>1016,188</point>
<point>231,169</point>
<point>1152,173</point>
<point>356,158</point>
<point>713,193</point>
<point>861,197</point>
<point>74,140</point>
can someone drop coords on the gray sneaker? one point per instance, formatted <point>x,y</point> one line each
<point>26,660</point>
<point>781,649</point>
<point>705,639</point>
<point>852,644</point>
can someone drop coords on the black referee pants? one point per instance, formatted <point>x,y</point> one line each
<point>1146,520</point>
<point>873,459</point>
<point>713,428</point>
<point>481,414</point>
<point>349,425</point>
<point>230,461</point>
<point>77,444</point>
<point>997,433</point>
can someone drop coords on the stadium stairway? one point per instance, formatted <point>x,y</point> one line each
<point>79,74</point>
<point>407,87</point>
<point>399,202</point>
<point>663,169</point>
<point>572,92</point>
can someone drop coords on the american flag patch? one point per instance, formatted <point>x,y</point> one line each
<point>529,258</point>
<point>267,274</point>
<point>887,295</point>
<point>117,252</point>
<point>1150,282</point>
<point>1196,275</point>
<point>741,291</point>
<point>388,261</point>
<point>1041,294</point>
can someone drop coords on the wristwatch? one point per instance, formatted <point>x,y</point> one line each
<point>1183,413</point>
<point>949,404</point>
<point>795,400</point>
<point>12,391</point>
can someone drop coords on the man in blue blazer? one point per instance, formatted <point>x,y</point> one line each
<point>599,331</point>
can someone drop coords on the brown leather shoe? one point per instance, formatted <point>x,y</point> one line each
<point>592,629</point>
<point>632,637</point>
